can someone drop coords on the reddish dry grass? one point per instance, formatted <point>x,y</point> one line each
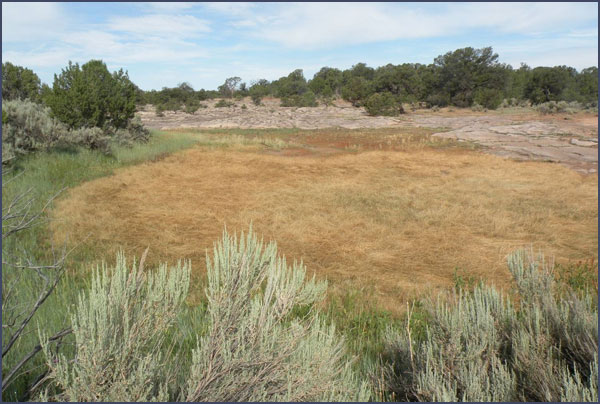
<point>399,222</point>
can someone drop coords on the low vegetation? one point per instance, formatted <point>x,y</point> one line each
<point>483,345</point>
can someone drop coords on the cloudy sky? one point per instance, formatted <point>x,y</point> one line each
<point>163,44</point>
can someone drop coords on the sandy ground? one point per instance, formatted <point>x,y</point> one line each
<point>571,140</point>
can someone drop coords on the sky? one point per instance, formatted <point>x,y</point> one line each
<point>164,44</point>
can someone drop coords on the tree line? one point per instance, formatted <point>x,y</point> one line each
<point>462,78</point>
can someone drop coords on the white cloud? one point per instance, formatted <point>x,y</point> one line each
<point>229,8</point>
<point>168,6</point>
<point>31,21</point>
<point>160,25</point>
<point>322,25</point>
<point>37,59</point>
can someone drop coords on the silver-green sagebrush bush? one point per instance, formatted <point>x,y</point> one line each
<point>255,350</point>
<point>264,339</point>
<point>120,328</point>
<point>28,127</point>
<point>479,346</point>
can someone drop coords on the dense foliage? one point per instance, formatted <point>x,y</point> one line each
<point>20,83</point>
<point>28,127</point>
<point>463,78</point>
<point>90,96</point>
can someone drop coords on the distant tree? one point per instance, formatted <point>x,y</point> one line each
<point>258,90</point>
<point>517,82</point>
<point>357,91</point>
<point>19,83</point>
<point>362,70</point>
<point>587,84</point>
<point>326,82</point>
<point>293,84</point>
<point>547,84</point>
<point>230,86</point>
<point>90,96</point>
<point>463,71</point>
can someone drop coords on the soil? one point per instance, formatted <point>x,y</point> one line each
<point>571,140</point>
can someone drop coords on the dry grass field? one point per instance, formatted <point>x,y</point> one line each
<point>392,210</point>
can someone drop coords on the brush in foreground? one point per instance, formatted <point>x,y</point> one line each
<point>265,340</point>
<point>480,346</point>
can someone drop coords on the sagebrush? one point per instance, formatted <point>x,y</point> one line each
<point>266,340</point>
<point>482,346</point>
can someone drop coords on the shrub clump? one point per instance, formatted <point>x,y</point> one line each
<point>28,127</point>
<point>222,103</point>
<point>480,346</point>
<point>489,98</point>
<point>383,104</point>
<point>560,107</point>
<point>90,96</point>
<point>261,337</point>
<point>307,99</point>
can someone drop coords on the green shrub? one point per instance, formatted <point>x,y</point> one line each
<point>437,100</point>
<point>160,110</point>
<point>383,104</point>
<point>307,99</point>
<point>192,106</point>
<point>20,83</point>
<point>28,127</point>
<point>222,103</point>
<point>256,99</point>
<point>479,346</point>
<point>357,90</point>
<point>489,98</point>
<point>91,96</point>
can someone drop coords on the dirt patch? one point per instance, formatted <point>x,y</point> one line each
<point>400,222</point>
<point>519,134</point>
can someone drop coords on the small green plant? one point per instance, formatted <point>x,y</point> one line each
<point>244,106</point>
<point>256,99</point>
<point>462,281</point>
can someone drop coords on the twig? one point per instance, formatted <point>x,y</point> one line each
<point>9,378</point>
<point>410,348</point>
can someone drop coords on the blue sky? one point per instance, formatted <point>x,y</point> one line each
<point>164,44</point>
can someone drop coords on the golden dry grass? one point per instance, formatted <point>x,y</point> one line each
<point>397,221</point>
